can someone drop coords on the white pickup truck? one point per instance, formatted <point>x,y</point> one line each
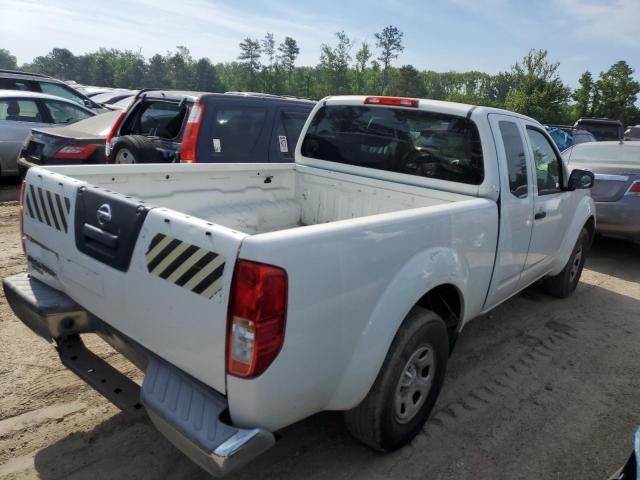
<point>255,295</point>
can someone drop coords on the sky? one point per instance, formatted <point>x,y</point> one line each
<point>461,35</point>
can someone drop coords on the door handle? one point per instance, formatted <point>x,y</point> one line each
<point>540,215</point>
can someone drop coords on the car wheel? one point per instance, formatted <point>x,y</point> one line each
<point>135,149</point>
<point>563,284</point>
<point>408,384</point>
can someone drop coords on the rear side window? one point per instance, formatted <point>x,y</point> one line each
<point>516,160</point>
<point>289,126</point>
<point>414,142</point>
<point>63,113</point>
<point>19,111</point>
<point>60,91</point>
<point>159,119</point>
<point>236,130</point>
<point>15,84</point>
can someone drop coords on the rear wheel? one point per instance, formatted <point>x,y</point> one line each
<point>563,284</point>
<point>135,149</point>
<point>408,384</point>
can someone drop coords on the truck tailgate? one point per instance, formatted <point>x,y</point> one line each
<point>160,277</point>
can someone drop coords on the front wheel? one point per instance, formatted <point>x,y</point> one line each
<point>408,384</point>
<point>563,284</point>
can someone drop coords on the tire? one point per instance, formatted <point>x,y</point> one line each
<point>378,421</point>
<point>135,149</point>
<point>563,284</point>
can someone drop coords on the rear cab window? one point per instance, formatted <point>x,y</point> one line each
<point>409,141</point>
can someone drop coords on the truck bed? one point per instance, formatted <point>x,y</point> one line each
<point>258,198</point>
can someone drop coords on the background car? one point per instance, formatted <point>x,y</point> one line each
<point>565,135</point>
<point>632,133</point>
<point>109,98</point>
<point>123,104</point>
<point>37,82</point>
<point>22,111</point>
<point>169,126</point>
<point>602,128</point>
<point>616,191</point>
<point>79,143</point>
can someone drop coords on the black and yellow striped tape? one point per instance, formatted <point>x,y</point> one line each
<point>47,207</point>
<point>185,265</point>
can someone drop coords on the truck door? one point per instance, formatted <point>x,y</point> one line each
<point>551,204</point>
<point>516,207</point>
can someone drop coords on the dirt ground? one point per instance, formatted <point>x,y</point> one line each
<point>538,389</point>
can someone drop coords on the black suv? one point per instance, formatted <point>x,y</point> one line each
<point>171,126</point>
<point>37,82</point>
<point>602,128</point>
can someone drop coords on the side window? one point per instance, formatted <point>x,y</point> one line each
<point>60,91</point>
<point>236,130</point>
<point>548,166</point>
<point>62,113</point>
<point>15,110</point>
<point>516,160</point>
<point>15,84</point>
<point>289,126</point>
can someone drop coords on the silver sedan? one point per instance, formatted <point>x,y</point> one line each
<point>22,111</point>
<point>616,191</point>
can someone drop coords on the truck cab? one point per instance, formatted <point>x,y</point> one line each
<point>254,295</point>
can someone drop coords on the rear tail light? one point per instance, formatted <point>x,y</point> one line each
<point>191,131</point>
<point>257,315</point>
<point>112,133</point>
<point>634,189</point>
<point>75,152</point>
<point>23,187</point>
<point>392,101</point>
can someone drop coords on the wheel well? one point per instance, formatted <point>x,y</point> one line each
<point>446,301</point>
<point>591,228</point>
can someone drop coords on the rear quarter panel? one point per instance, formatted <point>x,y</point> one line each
<point>351,284</point>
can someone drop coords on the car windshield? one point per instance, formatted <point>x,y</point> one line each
<point>621,154</point>
<point>414,142</point>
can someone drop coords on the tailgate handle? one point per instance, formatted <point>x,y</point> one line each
<point>104,238</point>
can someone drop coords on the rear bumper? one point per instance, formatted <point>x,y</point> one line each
<point>184,410</point>
<point>619,219</point>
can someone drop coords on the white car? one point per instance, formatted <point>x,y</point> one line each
<point>255,295</point>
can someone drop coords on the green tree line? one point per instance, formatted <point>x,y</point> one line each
<point>532,86</point>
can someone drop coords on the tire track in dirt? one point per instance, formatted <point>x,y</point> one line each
<point>492,388</point>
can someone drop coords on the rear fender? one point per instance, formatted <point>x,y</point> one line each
<point>425,271</point>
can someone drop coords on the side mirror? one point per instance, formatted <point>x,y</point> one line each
<point>580,179</point>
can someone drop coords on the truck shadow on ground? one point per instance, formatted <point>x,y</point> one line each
<point>514,381</point>
<point>612,256</point>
